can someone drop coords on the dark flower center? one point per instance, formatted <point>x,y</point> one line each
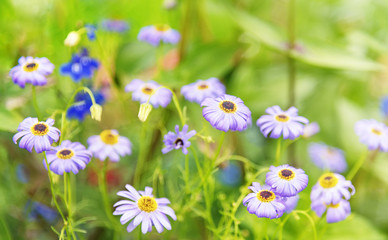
<point>40,129</point>
<point>228,106</point>
<point>282,118</point>
<point>65,153</point>
<point>328,180</point>
<point>30,67</point>
<point>147,90</point>
<point>203,86</point>
<point>178,142</point>
<point>266,196</point>
<point>286,174</point>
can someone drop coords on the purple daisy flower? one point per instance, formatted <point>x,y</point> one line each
<point>331,188</point>
<point>310,129</point>
<point>372,133</point>
<point>68,157</point>
<point>31,70</point>
<point>155,34</point>
<point>280,122</point>
<point>141,91</point>
<point>287,181</point>
<point>115,25</point>
<point>202,89</point>
<point>226,112</point>
<point>291,203</point>
<point>145,209</point>
<point>327,158</point>
<point>335,212</point>
<point>178,140</point>
<point>109,144</point>
<point>37,135</point>
<point>264,202</point>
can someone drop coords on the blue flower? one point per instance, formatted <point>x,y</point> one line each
<point>80,66</point>
<point>91,31</point>
<point>82,104</point>
<point>231,174</point>
<point>35,209</point>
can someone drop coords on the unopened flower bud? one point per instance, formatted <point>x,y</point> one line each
<point>144,111</point>
<point>96,112</point>
<point>72,39</point>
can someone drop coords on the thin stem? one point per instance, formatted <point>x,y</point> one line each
<point>357,165</point>
<point>52,189</point>
<point>187,173</point>
<point>35,103</point>
<point>141,158</point>
<point>197,163</point>
<point>222,138</point>
<point>310,220</point>
<point>5,226</point>
<point>278,151</point>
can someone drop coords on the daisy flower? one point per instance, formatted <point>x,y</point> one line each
<point>335,212</point>
<point>109,144</point>
<point>202,89</point>
<point>141,91</point>
<point>37,135</point>
<point>31,70</point>
<point>310,130</point>
<point>143,208</point>
<point>264,202</point>
<point>331,188</point>
<point>286,180</point>
<point>327,158</point>
<point>226,112</point>
<point>178,139</point>
<point>68,157</point>
<point>279,122</point>
<point>155,34</point>
<point>372,133</point>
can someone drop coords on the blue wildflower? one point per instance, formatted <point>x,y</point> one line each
<point>80,66</point>
<point>230,174</point>
<point>91,31</point>
<point>82,104</point>
<point>35,209</point>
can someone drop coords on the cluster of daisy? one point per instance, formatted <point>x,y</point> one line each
<point>279,193</point>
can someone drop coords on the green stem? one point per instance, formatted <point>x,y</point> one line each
<point>282,225</point>
<point>187,173</point>
<point>35,103</point>
<point>219,148</point>
<point>197,163</point>
<point>104,193</point>
<point>357,165</point>
<point>278,151</point>
<point>52,189</point>
<point>141,158</point>
<point>5,226</point>
<point>310,220</point>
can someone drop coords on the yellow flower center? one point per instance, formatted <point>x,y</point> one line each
<point>375,131</point>
<point>266,196</point>
<point>30,67</point>
<point>282,118</point>
<point>65,153</point>
<point>109,137</point>
<point>328,180</point>
<point>147,90</point>
<point>162,27</point>
<point>147,204</point>
<point>228,106</point>
<point>286,174</point>
<point>40,129</point>
<point>334,205</point>
<point>202,86</point>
